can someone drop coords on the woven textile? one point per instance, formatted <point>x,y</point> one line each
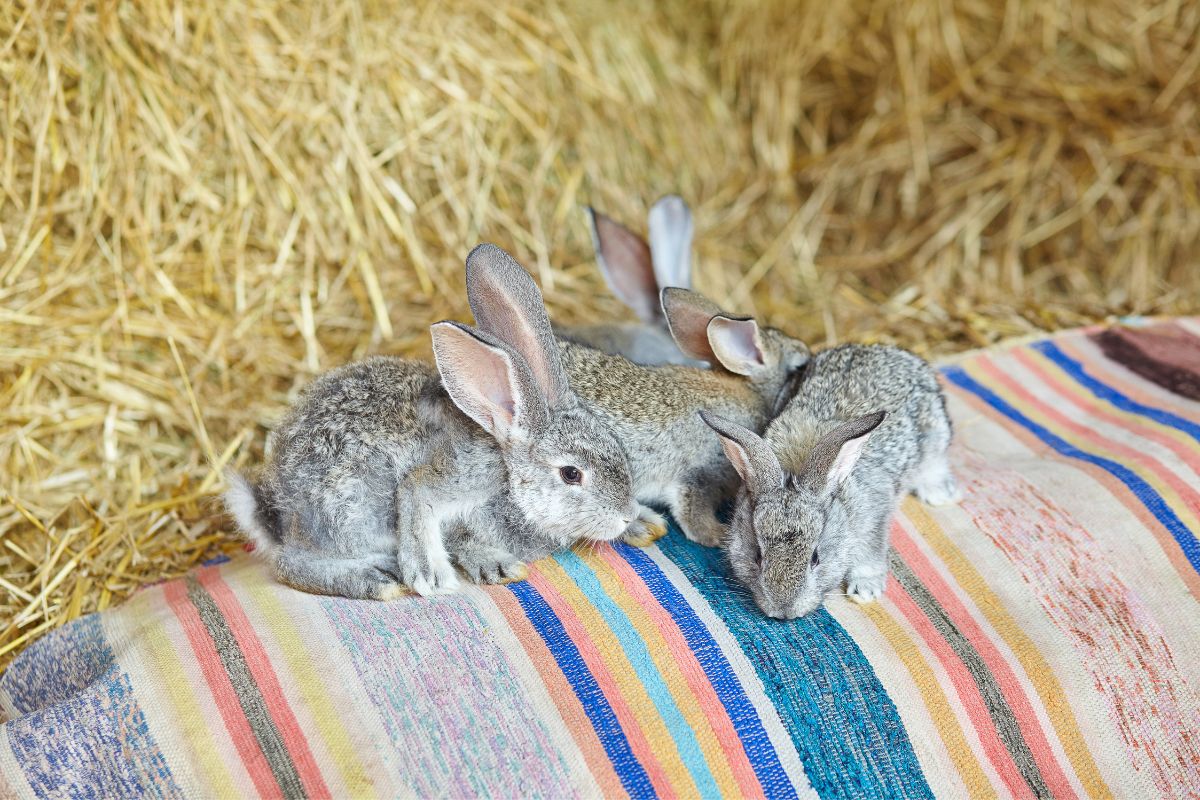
<point>1040,639</point>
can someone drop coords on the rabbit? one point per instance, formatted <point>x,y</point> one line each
<point>636,272</point>
<point>388,470</point>
<point>866,425</point>
<point>673,459</point>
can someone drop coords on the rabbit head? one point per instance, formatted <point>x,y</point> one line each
<point>789,541</point>
<point>567,472</point>
<point>767,357</point>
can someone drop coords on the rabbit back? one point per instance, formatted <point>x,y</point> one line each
<point>340,455</point>
<point>852,380</point>
<point>653,411</point>
<point>639,342</point>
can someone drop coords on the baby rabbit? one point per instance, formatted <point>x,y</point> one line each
<point>866,425</point>
<point>380,458</point>
<point>636,272</point>
<point>673,459</point>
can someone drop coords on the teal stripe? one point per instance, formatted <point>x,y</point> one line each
<point>649,674</point>
<point>845,728</point>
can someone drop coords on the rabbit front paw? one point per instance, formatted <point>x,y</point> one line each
<point>647,529</point>
<point>492,565</point>
<point>866,587</point>
<point>436,577</point>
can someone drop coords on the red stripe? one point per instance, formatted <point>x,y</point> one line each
<point>1006,679</point>
<point>595,663</point>
<point>964,687</point>
<point>222,691</point>
<point>266,680</point>
<point>693,673</point>
<point>1131,422</point>
<point>1190,498</point>
<point>1117,490</point>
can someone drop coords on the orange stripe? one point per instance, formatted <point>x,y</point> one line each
<point>1028,655</point>
<point>1163,478</point>
<point>1130,384</point>
<point>968,693</point>
<point>268,683</point>
<point>302,673</point>
<point>1117,490</point>
<point>570,709</point>
<point>1011,688</point>
<point>191,725</point>
<point>933,698</point>
<point>674,658</point>
<point>222,691</point>
<point>586,638</point>
<point>1173,439</point>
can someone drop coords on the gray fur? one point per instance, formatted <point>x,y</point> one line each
<point>377,480</point>
<point>819,434</point>
<point>673,459</point>
<point>636,272</point>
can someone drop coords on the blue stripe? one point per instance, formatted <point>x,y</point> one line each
<point>843,724</point>
<point>647,672</point>
<point>1144,492</point>
<point>608,730</point>
<point>56,668</point>
<point>757,744</point>
<point>1105,392</point>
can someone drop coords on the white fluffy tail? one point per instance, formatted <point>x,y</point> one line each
<point>242,502</point>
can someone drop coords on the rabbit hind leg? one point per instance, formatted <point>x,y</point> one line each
<point>932,481</point>
<point>365,577</point>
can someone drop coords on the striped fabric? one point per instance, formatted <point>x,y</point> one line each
<point>1040,639</point>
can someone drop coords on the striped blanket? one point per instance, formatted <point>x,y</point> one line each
<point>1040,639</point>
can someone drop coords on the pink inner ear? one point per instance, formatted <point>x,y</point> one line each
<point>847,457</point>
<point>738,457</point>
<point>688,316</point>
<point>735,343</point>
<point>625,260</point>
<point>477,377</point>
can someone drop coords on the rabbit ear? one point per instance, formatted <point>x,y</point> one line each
<point>671,242</point>
<point>508,305</point>
<point>688,314</point>
<point>736,344</point>
<point>752,457</point>
<point>835,455</point>
<point>627,266</point>
<point>489,382</point>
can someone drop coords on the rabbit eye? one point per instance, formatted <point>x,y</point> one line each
<point>571,475</point>
<point>816,558</point>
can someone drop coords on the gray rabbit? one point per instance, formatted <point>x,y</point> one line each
<point>866,425</point>
<point>636,272</point>
<point>384,474</point>
<point>673,459</point>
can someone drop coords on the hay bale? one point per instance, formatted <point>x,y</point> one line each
<point>204,204</point>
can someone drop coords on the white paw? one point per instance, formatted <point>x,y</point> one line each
<point>866,588</point>
<point>943,493</point>
<point>648,528</point>
<point>440,579</point>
